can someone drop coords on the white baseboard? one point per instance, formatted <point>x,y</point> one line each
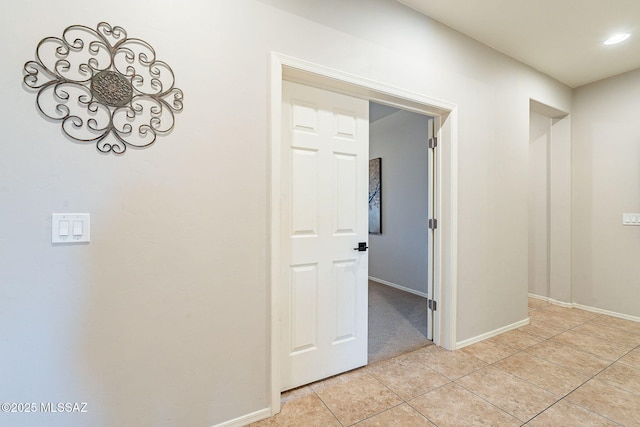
<point>561,303</point>
<point>493,333</point>
<point>526,321</point>
<point>247,419</point>
<point>587,308</point>
<point>402,288</point>
<point>607,312</point>
<point>552,301</point>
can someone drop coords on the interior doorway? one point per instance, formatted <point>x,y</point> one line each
<point>399,240</point>
<point>549,203</point>
<point>443,275</point>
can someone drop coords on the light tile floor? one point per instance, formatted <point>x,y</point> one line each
<point>569,367</point>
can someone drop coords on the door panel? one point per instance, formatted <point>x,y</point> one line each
<point>304,300</point>
<point>304,192</point>
<point>345,282</point>
<point>324,178</point>
<point>345,188</point>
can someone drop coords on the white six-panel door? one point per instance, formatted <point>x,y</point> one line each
<point>324,190</point>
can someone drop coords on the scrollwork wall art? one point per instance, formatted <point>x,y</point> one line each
<point>101,83</point>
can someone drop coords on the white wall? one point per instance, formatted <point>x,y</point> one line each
<point>539,147</point>
<point>163,319</point>
<point>606,176</point>
<point>399,254</point>
<point>560,280</point>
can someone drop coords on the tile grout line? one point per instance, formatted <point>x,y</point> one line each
<point>325,405</point>
<point>388,388</point>
<point>427,392</point>
<point>408,402</point>
<point>372,415</point>
<point>577,387</point>
<point>593,377</point>
<point>492,364</point>
<point>522,350</point>
<point>517,350</point>
<point>376,414</point>
<point>455,381</point>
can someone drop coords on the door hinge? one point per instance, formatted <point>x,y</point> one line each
<point>433,224</point>
<point>433,142</point>
<point>432,305</point>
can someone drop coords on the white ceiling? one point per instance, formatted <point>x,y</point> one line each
<point>561,38</point>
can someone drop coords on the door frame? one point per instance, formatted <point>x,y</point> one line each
<point>284,67</point>
<point>558,212</point>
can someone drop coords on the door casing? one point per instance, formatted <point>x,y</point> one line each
<point>445,263</point>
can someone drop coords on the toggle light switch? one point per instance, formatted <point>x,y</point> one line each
<point>70,228</point>
<point>63,228</point>
<point>77,228</point>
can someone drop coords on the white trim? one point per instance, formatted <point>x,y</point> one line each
<point>447,264</point>
<point>587,308</point>
<point>402,288</point>
<point>301,71</point>
<point>275,114</point>
<point>560,303</point>
<point>607,312</point>
<point>304,72</point>
<point>526,321</point>
<point>493,333</point>
<point>247,419</point>
<point>552,301</point>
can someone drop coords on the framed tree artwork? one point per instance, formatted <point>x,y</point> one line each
<point>375,196</point>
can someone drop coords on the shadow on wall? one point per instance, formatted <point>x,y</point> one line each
<point>380,26</point>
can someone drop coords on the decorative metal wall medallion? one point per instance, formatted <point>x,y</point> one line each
<point>100,83</point>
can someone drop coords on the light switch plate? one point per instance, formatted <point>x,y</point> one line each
<point>70,228</point>
<point>631,219</point>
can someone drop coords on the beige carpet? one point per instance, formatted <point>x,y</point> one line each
<point>397,322</point>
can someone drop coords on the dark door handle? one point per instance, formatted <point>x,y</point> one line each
<point>362,247</point>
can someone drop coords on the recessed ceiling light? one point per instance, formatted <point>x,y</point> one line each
<point>617,38</point>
